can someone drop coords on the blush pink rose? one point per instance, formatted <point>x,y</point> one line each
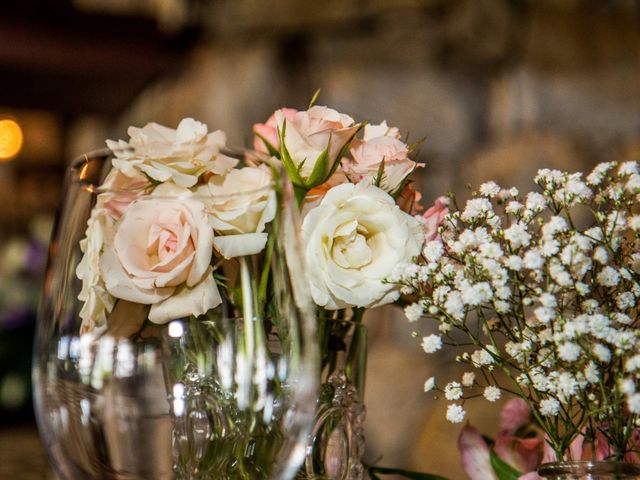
<point>121,190</point>
<point>434,217</point>
<point>380,144</point>
<point>160,256</point>
<point>315,140</point>
<point>266,134</point>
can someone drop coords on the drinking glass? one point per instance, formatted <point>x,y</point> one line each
<point>228,394</point>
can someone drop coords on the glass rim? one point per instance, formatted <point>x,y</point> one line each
<point>579,466</point>
<point>79,164</point>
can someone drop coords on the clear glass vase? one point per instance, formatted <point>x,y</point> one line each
<point>226,392</point>
<point>587,470</point>
<point>337,442</point>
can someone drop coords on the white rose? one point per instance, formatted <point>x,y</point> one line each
<point>313,141</point>
<point>380,145</point>
<point>242,203</point>
<point>353,240</point>
<point>97,301</point>
<point>160,256</point>
<point>164,154</point>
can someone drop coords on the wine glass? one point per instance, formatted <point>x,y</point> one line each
<point>225,392</point>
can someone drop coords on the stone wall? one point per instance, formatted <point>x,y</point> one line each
<point>498,88</point>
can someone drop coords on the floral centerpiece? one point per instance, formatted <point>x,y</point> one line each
<point>544,289</point>
<point>167,223</point>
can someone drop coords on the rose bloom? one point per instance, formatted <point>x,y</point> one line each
<point>353,240</point>
<point>311,134</point>
<point>97,301</point>
<point>266,134</point>
<point>121,190</point>
<point>164,154</point>
<point>376,148</point>
<point>434,217</point>
<point>241,203</point>
<point>160,256</point>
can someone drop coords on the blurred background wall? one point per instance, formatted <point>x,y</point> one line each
<point>497,89</point>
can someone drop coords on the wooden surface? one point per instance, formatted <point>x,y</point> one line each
<point>22,456</point>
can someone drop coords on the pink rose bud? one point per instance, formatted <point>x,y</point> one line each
<point>434,217</point>
<point>268,132</point>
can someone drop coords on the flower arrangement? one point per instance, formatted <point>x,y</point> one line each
<point>352,184</point>
<point>177,208</point>
<point>543,288</point>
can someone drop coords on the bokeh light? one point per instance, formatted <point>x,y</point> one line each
<point>10,139</point>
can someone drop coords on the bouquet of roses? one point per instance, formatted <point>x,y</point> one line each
<point>544,288</point>
<point>168,220</point>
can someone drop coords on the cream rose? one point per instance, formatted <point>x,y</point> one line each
<point>353,240</point>
<point>242,203</point>
<point>97,301</point>
<point>160,256</point>
<point>165,154</point>
<point>380,144</point>
<point>313,142</point>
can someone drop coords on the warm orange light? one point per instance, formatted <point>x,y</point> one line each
<point>10,139</point>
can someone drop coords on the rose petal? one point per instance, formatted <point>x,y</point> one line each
<point>188,301</point>
<point>231,246</point>
<point>120,285</point>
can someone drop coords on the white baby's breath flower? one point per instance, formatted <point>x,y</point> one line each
<point>513,262</point>
<point>533,259</point>
<point>591,373</point>
<point>569,351</point>
<point>549,407</point>
<point>536,202</point>
<point>544,314</point>
<point>517,235</point>
<point>454,305</point>
<point>476,208</point>
<point>468,378</point>
<point>513,207</point>
<point>481,357</point>
<point>621,318</point>
<point>555,225</point>
<point>627,385</point>
<point>455,413</point>
<point>633,403</point>
<point>628,168</point>
<point>491,393</point>
<point>453,391</point>
<point>632,364</point>
<point>608,277</point>
<point>625,300</point>
<point>489,189</point>
<point>491,250</point>
<point>600,255</point>
<point>429,384</point>
<point>433,250</point>
<point>431,343</point>
<point>633,184</point>
<point>597,174</point>
<point>414,311</point>
<point>550,247</point>
<point>548,300</point>
<point>602,353</point>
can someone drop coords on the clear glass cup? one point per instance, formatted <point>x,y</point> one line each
<point>587,470</point>
<point>229,393</point>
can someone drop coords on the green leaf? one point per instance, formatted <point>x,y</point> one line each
<point>319,172</point>
<point>286,158</point>
<point>374,471</point>
<point>502,469</point>
<point>314,98</point>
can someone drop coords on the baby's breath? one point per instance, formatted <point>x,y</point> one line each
<point>547,297</point>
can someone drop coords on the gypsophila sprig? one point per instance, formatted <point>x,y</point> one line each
<point>545,286</point>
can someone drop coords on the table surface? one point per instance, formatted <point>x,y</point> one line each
<point>22,455</point>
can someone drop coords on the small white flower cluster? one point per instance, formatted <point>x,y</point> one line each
<point>551,304</point>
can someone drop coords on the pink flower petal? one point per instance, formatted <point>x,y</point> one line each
<point>474,453</point>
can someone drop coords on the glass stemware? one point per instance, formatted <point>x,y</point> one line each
<point>229,393</point>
